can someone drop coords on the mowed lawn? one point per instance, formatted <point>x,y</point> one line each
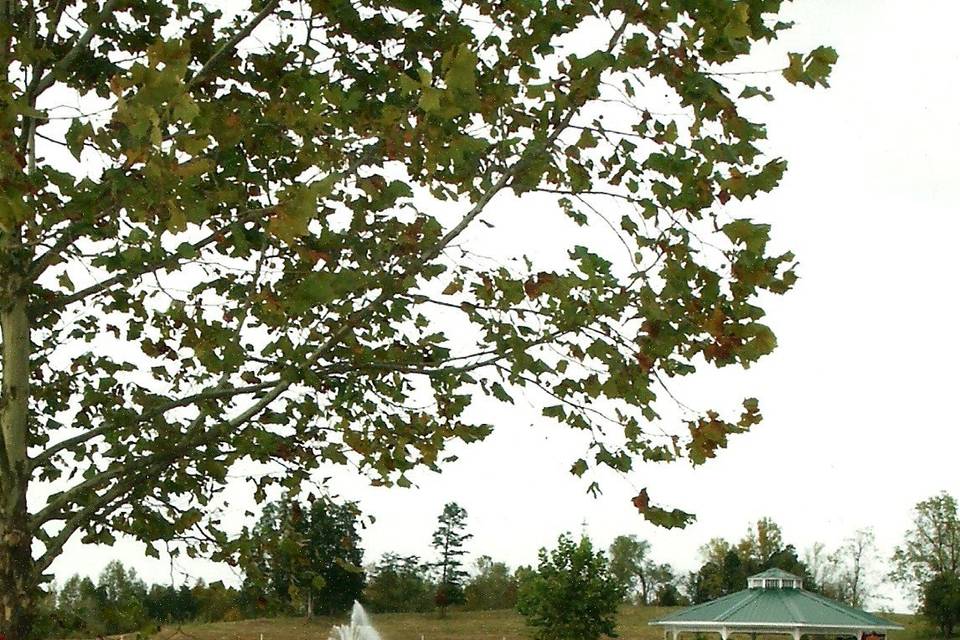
<point>458,625</point>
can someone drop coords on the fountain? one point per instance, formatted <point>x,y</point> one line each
<point>360,627</point>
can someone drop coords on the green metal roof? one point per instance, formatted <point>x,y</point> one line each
<point>759,608</point>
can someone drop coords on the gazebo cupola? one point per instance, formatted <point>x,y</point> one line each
<point>774,579</point>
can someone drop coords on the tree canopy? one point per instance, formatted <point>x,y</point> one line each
<point>307,555</point>
<point>399,583</point>
<point>249,235</point>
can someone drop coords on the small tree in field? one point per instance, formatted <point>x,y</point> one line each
<point>572,595</point>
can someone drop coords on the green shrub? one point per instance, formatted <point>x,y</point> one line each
<point>572,595</point>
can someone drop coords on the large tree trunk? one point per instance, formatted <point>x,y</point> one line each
<point>17,590</point>
<point>17,582</point>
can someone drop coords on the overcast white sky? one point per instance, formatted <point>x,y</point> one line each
<point>859,399</point>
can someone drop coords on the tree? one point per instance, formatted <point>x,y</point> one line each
<point>573,595</point>
<point>448,542</point>
<point>120,595</point>
<point>723,571</point>
<point>399,583</point>
<point>789,560</point>
<point>215,602</point>
<point>716,551</point>
<point>492,587</point>
<point>637,573</point>
<point>848,574</point>
<point>759,545</point>
<point>705,584</point>
<point>237,247</point>
<point>161,603</point>
<point>726,567</point>
<point>310,554</point>
<point>941,602</point>
<point>860,553</point>
<point>117,603</point>
<point>733,573</point>
<point>77,604</point>
<point>669,596</point>
<point>710,581</point>
<point>822,567</point>
<point>931,547</point>
<point>628,560</point>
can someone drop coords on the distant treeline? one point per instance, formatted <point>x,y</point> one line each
<point>306,559</point>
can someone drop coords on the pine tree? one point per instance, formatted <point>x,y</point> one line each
<point>448,540</point>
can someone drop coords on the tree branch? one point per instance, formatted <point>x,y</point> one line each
<point>79,518</point>
<point>127,277</point>
<point>50,511</point>
<point>215,393</point>
<point>232,43</point>
<point>42,83</point>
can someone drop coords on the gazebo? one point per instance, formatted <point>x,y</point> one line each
<point>775,602</point>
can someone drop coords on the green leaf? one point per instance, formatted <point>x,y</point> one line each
<point>461,73</point>
<point>77,134</point>
<point>579,467</point>
<point>750,92</point>
<point>430,99</point>
<point>500,393</point>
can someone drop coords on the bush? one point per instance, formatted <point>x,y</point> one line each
<point>572,595</point>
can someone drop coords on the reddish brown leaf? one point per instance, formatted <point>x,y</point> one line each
<point>641,501</point>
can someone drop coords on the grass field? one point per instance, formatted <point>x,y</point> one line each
<point>458,625</point>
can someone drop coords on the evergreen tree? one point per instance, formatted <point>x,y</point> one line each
<point>448,541</point>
